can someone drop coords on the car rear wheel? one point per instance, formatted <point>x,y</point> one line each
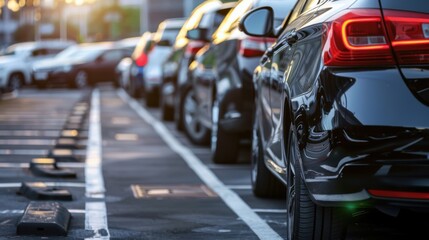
<point>152,98</point>
<point>15,81</point>
<point>80,80</point>
<point>305,219</point>
<point>196,131</point>
<point>167,112</point>
<point>224,145</point>
<point>264,183</point>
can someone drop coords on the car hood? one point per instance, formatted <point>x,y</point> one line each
<point>8,59</point>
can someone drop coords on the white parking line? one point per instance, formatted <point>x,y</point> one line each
<point>76,211</point>
<point>95,211</point>
<point>49,184</point>
<point>27,165</point>
<point>234,202</point>
<point>239,187</point>
<point>261,210</point>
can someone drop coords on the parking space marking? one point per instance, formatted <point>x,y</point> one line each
<point>16,211</point>
<point>49,184</point>
<point>230,198</point>
<point>31,142</point>
<point>261,210</point>
<point>29,133</point>
<point>27,165</point>
<point>23,152</point>
<point>95,211</point>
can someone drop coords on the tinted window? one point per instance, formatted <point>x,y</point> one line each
<point>296,11</point>
<point>112,56</point>
<point>310,5</point>
<point>408,5</point>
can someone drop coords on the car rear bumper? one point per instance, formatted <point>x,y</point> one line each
<point>367,141</point>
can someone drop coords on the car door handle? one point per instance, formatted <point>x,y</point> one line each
<point>292,38</point>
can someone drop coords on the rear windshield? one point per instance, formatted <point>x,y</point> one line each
<point>406,5</point>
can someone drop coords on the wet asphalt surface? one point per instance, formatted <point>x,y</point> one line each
<point>151,192</point>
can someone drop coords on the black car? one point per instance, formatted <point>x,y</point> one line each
<point>81,65</point>
<point>207,15</point>
<point>342,111</point>
<point>163,41</point>
<point>218,105</point>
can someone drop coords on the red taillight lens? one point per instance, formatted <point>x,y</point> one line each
<point>141,60</point>
<point>254,46</point>
<point>409,34</point>
<point>356,38</point>
<point>193,47</point>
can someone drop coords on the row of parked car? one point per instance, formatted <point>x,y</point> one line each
<point>333,95</point>
<point>61,62</point>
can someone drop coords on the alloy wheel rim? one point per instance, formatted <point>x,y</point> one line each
<point>291,190</point>
<point>81,80</point>
<point>255,156</point>
<point>15,82</point>
<point>215,125</point>
<point>192,122</point>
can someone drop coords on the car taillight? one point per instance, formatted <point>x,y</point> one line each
<point>141,60</point>
<point>364,37</point>
<point>409,34</point>
<point>254,46</point>
<point>356,38</point>
<point>193,47</point>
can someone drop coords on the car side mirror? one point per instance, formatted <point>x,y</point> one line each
<point>199,34</point>
<point>258,22</point>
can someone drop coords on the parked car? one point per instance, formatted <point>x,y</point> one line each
<point>152,73</point>
<point>342,111</point>
<point>218,105</point>
<point>17,60</point>
<point>207,15</point>
<point>80,66</point>
<point>123,69</point>
<point>139,58</point>
<point>123,72</point>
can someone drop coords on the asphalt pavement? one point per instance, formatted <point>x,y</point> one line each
<point>138,177</point>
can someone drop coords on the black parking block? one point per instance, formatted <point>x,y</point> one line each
<point>44,219</point>
<point>63,155</point>
<point>66,143</point>
<point>47,167</point>
<point>39,191</point>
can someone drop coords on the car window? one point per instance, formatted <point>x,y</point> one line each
<point>231,20</point>
<point>310,5</point>
<point>112,56</point>
<point>296,10</point>
<point>39,52</point>
<point>206,20</point>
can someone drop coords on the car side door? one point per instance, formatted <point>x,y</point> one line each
<point>106,64</point>
<point>286,57</point>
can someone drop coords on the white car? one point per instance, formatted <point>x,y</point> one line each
<point>16,63</point>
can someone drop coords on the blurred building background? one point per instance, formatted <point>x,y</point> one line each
<point>85,20</point>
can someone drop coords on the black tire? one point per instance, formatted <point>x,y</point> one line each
<point>305,219</point>
<point>167,112</point>
<point>225,146</point>
<point>136,92</point>
<point>152,98</point>
<point>264,183</point>
<point>15,82</point>
<point>194,130</point>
